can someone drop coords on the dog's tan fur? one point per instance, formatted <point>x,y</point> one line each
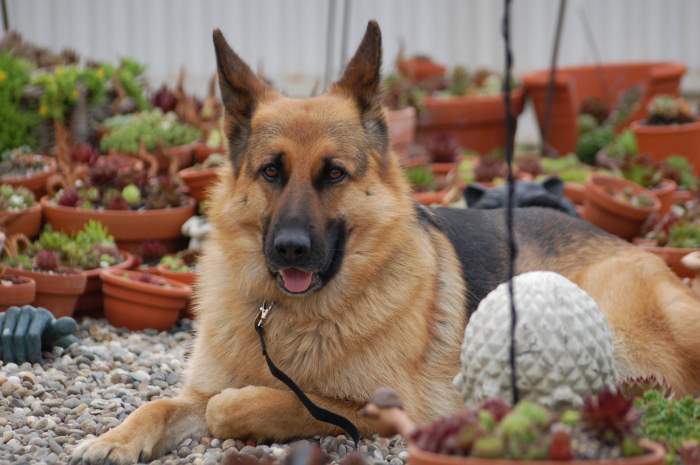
<point>395,313</point>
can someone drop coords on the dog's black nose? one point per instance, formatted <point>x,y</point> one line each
<point>292,246</point>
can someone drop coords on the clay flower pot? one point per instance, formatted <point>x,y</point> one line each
<point>671,255</point>
<point>664,192</point>
<point>35,182</point>
<point>420,68</point>
<point>57,292</point>
<point>187,277</point>
<point>201,151</point>
<point>451,191</point>
<point>181,156</point>
<point>477,122</point>
<point>613,215</point>
<point>656,455</point>
<point>134,304</point>
<point>91,301</point>
<point>662,141</point>
<point>576,83</point>
<point>27,221</point>
<point>402,129</point>
<point>199,181</point>
<point>575,191</point>
<point>129,228</point>
<point>16,291</point>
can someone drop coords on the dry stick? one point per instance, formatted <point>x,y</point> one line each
<point>344,33</point>
<point>512,247</point>
<point>545,147</point>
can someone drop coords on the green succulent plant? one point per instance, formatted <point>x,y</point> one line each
<point>18,122</point>
<point>421,178</point>
<point>151,128</point>
<point>15,198</point>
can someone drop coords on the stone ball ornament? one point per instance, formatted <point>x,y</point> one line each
<point>564,345</point>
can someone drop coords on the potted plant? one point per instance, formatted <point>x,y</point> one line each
<point>676,235</point>
<point>570,170</point>
<point>401,98</point>
<point>215,143</point>
<point>161,134</point>
<point>15,290</point>
<point>469,106</point>
<point>133,206</point>
<point>138,300</point>
<point>419,68</point>
<point>57,286</point>
<point>605,430</point>
<point>431,187</point>
<point>201,176</point>
<point>671,128</point>
<point>19,123</point>
<point>179,267</point>
<point>617,205</point>
<point>20,167</point>
<point>575,84</point>
<point>19,211</point>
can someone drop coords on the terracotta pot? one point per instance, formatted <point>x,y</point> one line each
<point>664,192</point>
<point>27,221</point>
<point>121,160</point>
<point>202,151</point>
<point>58,292</point>
<point>575,191</point>
<point>199,181</point>
<point>418,69</point>
<point>655,456</point>
<point>671,255</point>
<point>477,122</point>
<point>675,139</point>
<point>183,154</point>
<point>91,301</point>
<point>137,305</point>
<point>576,83</point>
<point>183,277</point>
<point>681,196</point>
<point>612,215</point>
<point>129,228</point>
<point>37,182</point>
<point>402,129</point>
<point>19,293</point>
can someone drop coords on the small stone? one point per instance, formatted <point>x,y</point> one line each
<point>396,461</point>
<point>403,455</point>
<point>227,444</point>
<point>216,442</point>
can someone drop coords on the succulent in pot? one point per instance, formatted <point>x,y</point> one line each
<point>20,167</point>
<point>432,185</point>
<point>133,206</point>
<point>159,133</point>
<point>19,211</point>
<point>181,266</point>
<point>15,290</point>
<point>604,430</point>
<point>200,177</point>
<point>670,129</point>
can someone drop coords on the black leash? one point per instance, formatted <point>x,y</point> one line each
<point>319,413</point>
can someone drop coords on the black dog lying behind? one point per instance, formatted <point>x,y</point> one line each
<point>549,194</point>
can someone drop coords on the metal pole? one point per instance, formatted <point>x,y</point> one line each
<point>596,53</point>
<point>545,148</point>
<point>344,33</point>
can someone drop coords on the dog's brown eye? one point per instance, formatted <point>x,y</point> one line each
<point>270,172</point>
<point>335,174</point>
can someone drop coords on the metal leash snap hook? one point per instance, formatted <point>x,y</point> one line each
<point>264,311</point>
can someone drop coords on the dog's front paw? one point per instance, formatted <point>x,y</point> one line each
<point>108,449</point>
<point>235,413</point>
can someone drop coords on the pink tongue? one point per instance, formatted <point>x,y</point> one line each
<point>296,280</point>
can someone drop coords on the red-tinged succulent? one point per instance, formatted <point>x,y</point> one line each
<point>103,172</point>
<point>611,415</point>
<point>69,197</point>
<point>595,107</point>
<point>497,407</point>
<point>164,99</point>
<point>84,153</point>
<point>153,250</point>
<point>47,260</point>
<point>443,148</point>
<point>450,435</point>
<point>530,164</point>
<point>489,168</point>
<point>560,446</point>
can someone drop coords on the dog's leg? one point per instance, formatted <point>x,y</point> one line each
<point>267,413</point>
<point>151,430</point>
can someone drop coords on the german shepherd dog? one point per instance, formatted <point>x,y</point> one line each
<point>315,215</point>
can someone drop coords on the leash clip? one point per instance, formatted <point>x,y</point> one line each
<point>264,311</point>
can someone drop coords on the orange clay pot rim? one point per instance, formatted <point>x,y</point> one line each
<point>50,168</point>
<point>658,69</point>
<point>26,280</point>
<point>32,209</point>
<point>667,185</point>
<point>192,172</point>
<point>127,262</point>
<point>46,203</point>
<point>517,93</point>
<point>164,269</point>
<point>694,126</point>
<point>175,289</point>
<point>599,191</point>
<point>66,272</point>
<point>655,453</point>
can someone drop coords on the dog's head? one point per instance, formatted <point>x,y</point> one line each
<point>309,178</point>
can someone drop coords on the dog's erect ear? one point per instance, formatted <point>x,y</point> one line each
<point>554,186</point>
<point>241,90</point>
<point>473,193</point>
<point>361,80</point>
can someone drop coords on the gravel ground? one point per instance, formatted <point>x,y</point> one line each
<point>46,409</point>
